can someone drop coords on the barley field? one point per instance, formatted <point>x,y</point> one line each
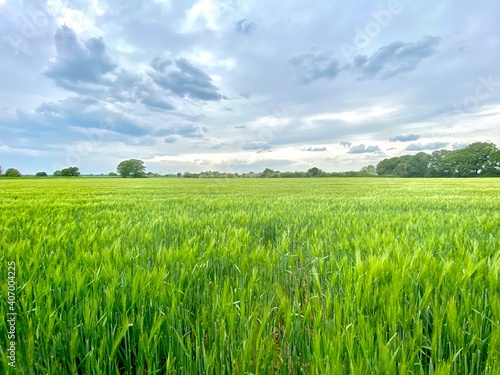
<point>252,276</point>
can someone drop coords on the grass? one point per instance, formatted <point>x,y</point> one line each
<point>267,276</point>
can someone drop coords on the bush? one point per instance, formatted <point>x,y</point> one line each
<point>12,172</point>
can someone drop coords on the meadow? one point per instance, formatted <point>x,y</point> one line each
<point>252,276</point>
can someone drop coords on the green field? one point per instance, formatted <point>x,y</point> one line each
<point>260,276</point>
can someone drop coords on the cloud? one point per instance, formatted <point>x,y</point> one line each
<point>459,146</point>
<point>78,62</point>
<point>184,130</point>
<point>428,146</point>
<point>184,80</point>
<point>244,26</point>
<point>257,145</point>
<point>404,138</point>
<point>362,149</point>
<point>311,67</point>
<point>86,112</point>
<point>158,104</point>
<point>170,139</point>
<point>314,149</point>
<point>395,58</point>
<point>345,144</point>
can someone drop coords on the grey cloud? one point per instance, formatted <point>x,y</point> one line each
<point>428,146</point>
<point>184,80</point>
<point>314,149</point>
<point>345,144</point>
<point>404,138</point>
<point>257,145</point>
<point>244,26</point>
<point>239,126</point>
<point>396,58</point>
<point>183,130</point>
<point>170,139</point>
<point>362,149</point>
<point>66,121</point>
<point>76,62</point>
<point>158,103</point>
<point>311,67</point>
<point>217,146</point>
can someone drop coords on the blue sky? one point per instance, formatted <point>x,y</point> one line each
<point>243,85</point>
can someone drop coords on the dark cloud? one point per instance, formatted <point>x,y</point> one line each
<point>170,139</point>
<point>77,62</point>
<point>345,144</point>
<point>428,146</point>
<point>404,138</point>
<point>53,125</point>
<point>314,149</point>
<point>257,145</point>
<point>183,130</point>
<point>239,126</point>
<point>158,103</point>
<point>311,66</point>
<point>87,113</point>
<point>362,149</point>
<point>184,80</point>
<point>244,26</point>
<point>395,58</point>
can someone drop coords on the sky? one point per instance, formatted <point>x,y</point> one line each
<point>243,85</point>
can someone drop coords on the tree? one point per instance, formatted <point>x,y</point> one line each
<point>112,174</point>
<point>314,172</point>
<point>57,173</point>
<point>369,170</point>
<point>1,170</point>
<point>387,166</point>
<point>41,174</point>
<point>70,172</point>
<point>12,172</point>
<point>131,168</point>
<point>436,166</point>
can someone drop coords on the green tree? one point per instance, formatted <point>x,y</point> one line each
<point>387,166</point>
<point>493,165</point>
<point>268,172</point>
<point>471,161</point>
<point>112,174</point>
<point>131,168</point>
<point>70,172</point>
<point>41,174</point>
<point>314,172</point>
<point>368,170</point>
<point>436,167</point>
<point>12,172</point>
<point>57,173</point>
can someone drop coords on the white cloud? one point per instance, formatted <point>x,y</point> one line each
<point>203,14</point>
<point>77,20</point>
<point>358,115</point>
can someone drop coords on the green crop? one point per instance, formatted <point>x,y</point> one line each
<point>243,276</point>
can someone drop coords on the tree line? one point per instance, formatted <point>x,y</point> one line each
<point>477,159</point>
